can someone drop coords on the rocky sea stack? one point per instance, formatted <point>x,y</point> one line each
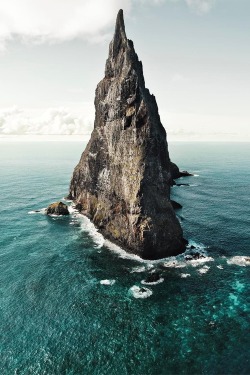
<point>122,182</point>
<point>57,208</point>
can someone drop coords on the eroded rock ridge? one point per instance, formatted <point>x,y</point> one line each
<point>122,181</point>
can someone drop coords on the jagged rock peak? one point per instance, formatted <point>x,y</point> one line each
<point>120,38</point>
<point>122,182</point>
<point>122,57</point>
<point>120,25</point>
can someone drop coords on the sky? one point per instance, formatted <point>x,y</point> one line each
<point>195,55</point>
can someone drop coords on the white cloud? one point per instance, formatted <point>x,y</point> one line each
<point>200,6</point>
<point>205,127</point>
<point>14,121</point>
<point>57,20</point>
<point>60,121</point>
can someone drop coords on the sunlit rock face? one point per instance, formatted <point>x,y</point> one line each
<point>122,181</point>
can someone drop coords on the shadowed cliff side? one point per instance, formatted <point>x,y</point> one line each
<point>122,182</point>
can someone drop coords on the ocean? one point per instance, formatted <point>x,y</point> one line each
<point>72,303</point>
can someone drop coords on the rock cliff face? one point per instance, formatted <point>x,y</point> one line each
<point>122,182</point>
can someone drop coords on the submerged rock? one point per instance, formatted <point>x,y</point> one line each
<point>57,208</point>
<point>139,292</point>
<point>122,182</point>
<point>153,277</point>
<point>194,255</point>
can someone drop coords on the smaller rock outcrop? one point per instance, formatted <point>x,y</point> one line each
<point>194,256</point>
<point>152,278</point>
<point>57,208</point>
<point>176,173</point>
<point>175,204</point>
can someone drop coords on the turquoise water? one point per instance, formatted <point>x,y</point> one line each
<point>57,318</point>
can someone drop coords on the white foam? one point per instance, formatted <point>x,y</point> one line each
<point>220,267</point>
<point>203,269</point>
<point>185,275</point>
<point>180,261</point>
<point>173,262</point>
<point>142,268</point>
<point>153,282</point>
<point>177,262</point>
<point>72,210</point>
<point>149,266</point>
<point>88,226</point>
<point>122,253</point>
<point>67,200</point>
<point>107,282</point>
<point>198,262</point>
<point>138,292</point>
<point>138,269</point>
<point>196,175</point>
<point>200,249</point>
<point>242,261</point>
<point>41,211</point>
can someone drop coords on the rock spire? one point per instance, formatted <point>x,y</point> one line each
<point>122,181</point>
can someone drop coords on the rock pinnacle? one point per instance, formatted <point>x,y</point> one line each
<point>122,181</point>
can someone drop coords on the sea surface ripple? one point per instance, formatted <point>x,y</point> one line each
<point>72,303</point>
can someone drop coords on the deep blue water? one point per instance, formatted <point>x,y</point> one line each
<point>57,318</point>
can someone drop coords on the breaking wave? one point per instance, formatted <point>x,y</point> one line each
<point>138,292</point>
<point>107,282</point>
<point>242,261</point>
<point>153,282</point>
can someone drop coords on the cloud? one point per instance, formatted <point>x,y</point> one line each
<point>56,121</point>
<point>60,121</point>
<point>57,20</point>
<point>205,127</point>
<point>54,21</point>
<point>200,6</point>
